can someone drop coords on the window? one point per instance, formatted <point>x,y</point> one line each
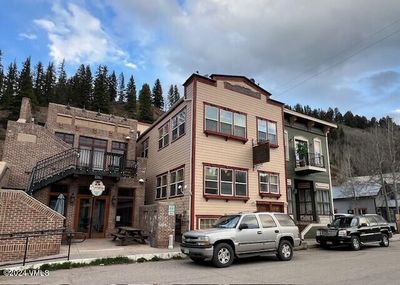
<point>267,130</point>
<point>119,149</point>
<point>287,146</point>
<point>211,114</point>
<point>68,138</point>
<point>225,181</point>
<point>285,220</point>
<point>206,223</point>
<point>305,202</point>
<point>267,221</point>
<point>178,125</point>
<point>161,189</point>
<point>176,182</point>
<point>372,221</point>
<point>145,148</point>
<point>250,221</point>
<point>163,136</point>
<point>92,152</point>
<point>323,202</point>
<point>268,183</point>
<point>225,122</point>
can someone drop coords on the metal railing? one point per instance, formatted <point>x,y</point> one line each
<point>84,161</point>
<point>311,159</point>
<point>26,236</point>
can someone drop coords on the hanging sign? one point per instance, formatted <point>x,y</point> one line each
<point>97,187</point>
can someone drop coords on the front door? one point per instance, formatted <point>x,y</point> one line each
<point>305,201</point>
<point>92,216</point>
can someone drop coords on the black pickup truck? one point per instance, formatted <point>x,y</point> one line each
<point>355,231</point>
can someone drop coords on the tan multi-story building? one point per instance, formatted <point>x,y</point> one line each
<point>201,154</point>
<point>62,158</point>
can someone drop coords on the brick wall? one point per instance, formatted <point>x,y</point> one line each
<point>155,220</point>
<point>19,212</point>
<point>24,146</point>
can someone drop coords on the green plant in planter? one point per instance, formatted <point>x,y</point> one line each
<point>302,152</point>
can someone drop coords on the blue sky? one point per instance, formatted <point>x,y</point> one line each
<point>321,53</point>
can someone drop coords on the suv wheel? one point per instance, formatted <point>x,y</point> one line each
<point>324,245</point>
<point>355,243</point>
<point>223,255</point>
<point>285,250</point>
<point>385,240</point>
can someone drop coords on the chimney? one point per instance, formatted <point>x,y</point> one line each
<point>25,113</point>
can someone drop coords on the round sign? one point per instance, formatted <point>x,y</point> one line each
<point>97,187</point>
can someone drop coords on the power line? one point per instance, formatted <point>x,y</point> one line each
<point>340,62</point>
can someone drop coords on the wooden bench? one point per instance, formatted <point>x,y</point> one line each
<point>126,234</point>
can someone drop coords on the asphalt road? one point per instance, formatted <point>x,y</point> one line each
<point>372,265</point>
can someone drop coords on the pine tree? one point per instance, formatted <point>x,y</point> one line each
<point>87,95</point>
<point>61,92</point>
<point>39,83</point>
<point>131,94</point>
<point>112,87</point>
<point>49,84</point>
<point>177,96</point>
<point>101,99</point>
<point>26,81</point>
<point>121,89</point>
<point>157,95</point>
<point>145,110</point>
<point>1,75</point>
<point>10,86</point>
<point>171,98</point>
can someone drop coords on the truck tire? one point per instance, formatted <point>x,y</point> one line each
<point>385,240</point>
<point>223,255</point>
<point>324,245</point>
<point>285,250</point>
<point>355,243</point>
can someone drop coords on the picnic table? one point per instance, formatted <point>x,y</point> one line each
<point>128,234</point>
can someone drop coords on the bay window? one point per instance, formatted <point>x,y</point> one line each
<point>226,182</point>
<point>226,122</point>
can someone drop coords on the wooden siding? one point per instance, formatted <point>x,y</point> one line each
<point>217,150</point>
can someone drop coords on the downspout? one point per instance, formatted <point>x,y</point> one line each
<point>191,166</point>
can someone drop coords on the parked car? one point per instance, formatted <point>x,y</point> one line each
<point>243,235</point>
<point>355,231</point>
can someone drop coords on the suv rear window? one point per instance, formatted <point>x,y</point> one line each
<point>284,220</point>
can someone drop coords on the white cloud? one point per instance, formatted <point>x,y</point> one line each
<point>280,43</point>
<point>28,36</point>
<point>130,65</point>
<point>78,37</point>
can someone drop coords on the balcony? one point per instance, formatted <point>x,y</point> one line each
<point>80,161</point>
<point>310,163</point>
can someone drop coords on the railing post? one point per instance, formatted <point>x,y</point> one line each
<point>26,250</point>
<point>69,238</point>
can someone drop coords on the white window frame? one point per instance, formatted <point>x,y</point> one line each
<point>267,133</point>
<point>176,182</point>
<point>159,188</point>
<point>268,183</point>
<point>163,136</point>
<point>176,124</point>
<point>209,219</point>
<point>219,181</point>
<point>225,122</point>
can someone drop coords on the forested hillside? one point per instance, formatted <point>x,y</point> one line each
<point>99,90</point>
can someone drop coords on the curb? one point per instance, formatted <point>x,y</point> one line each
<point>134,257</point>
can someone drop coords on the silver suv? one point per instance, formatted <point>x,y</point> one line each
<point>243,235</point>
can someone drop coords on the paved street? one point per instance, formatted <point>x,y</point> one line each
<point>372,265</point>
